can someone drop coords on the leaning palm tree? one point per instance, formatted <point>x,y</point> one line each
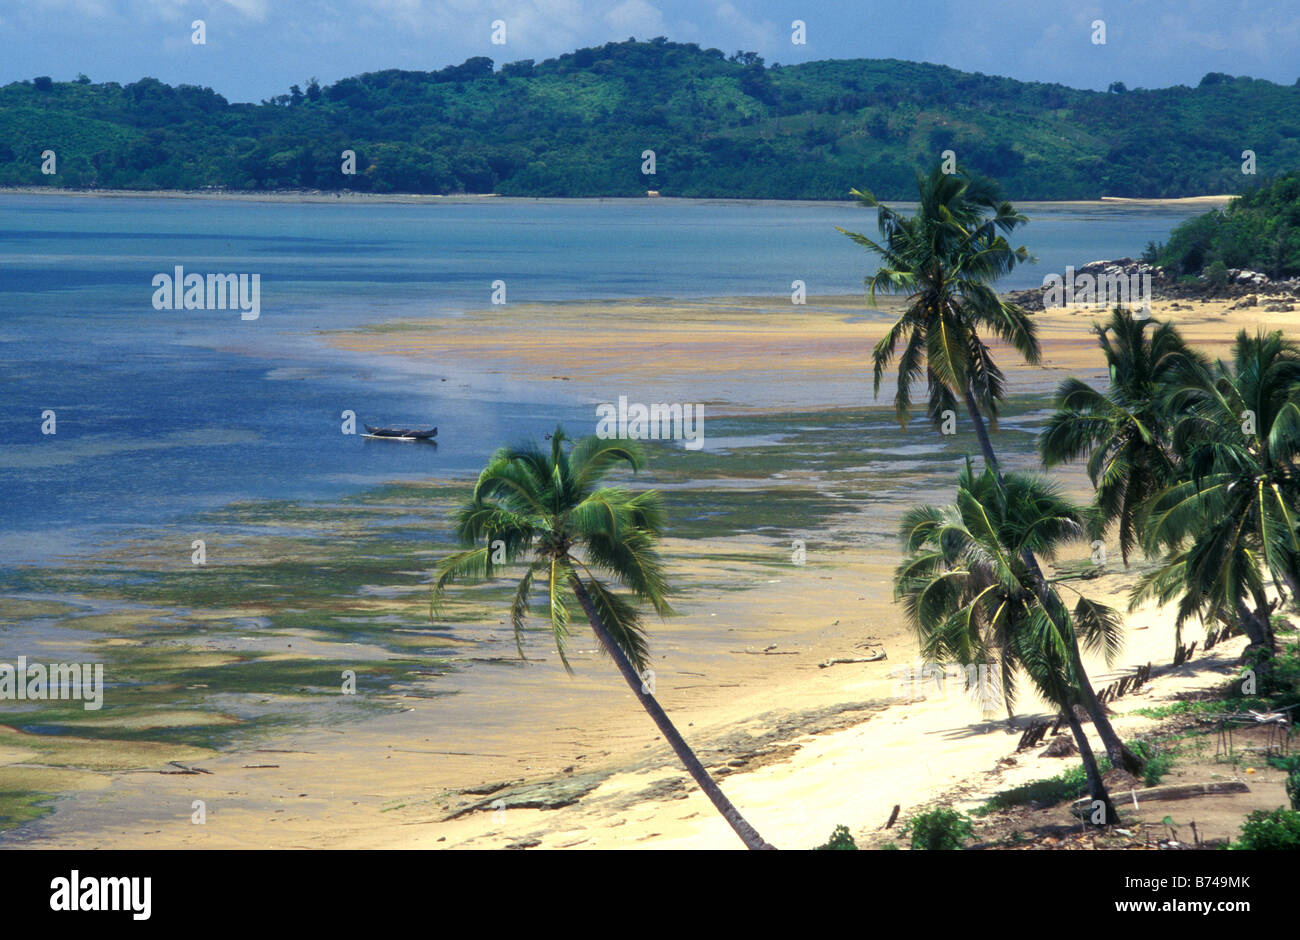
<point>969,595</point>
<point>1126,431</point>
<point>548,511</point>
<point>944,258</point>
<point>1229,521</point>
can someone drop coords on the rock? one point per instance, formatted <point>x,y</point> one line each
<point>1247,277</point>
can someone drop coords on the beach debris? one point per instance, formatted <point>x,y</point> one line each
<point>524,844</point>
<point>183,769</point>
<point>893,817</point>
<point>874,657</point>
<point>1124,686</point>
<point>1180,791</point>
<point>261,766</point>
<point>550,794</point>
<point>1061,746</point>
<point>1035,734</point>
<point>486,788</point>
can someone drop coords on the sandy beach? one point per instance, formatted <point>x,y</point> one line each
<point>539,759</point>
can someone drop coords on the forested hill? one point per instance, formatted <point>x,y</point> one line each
<point>719,126</point>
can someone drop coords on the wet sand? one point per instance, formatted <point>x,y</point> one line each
<point>802,747</point>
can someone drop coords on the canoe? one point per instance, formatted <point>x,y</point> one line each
<point>401,434</point>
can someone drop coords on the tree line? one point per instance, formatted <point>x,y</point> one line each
<point>720,125</point>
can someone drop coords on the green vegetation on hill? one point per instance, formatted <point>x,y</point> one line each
<point>1259,230</point>
<point>724,126</point>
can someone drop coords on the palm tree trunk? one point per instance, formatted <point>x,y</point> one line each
<point>1116,749</point>
<point>747,833</point>
<point>1096,787</point>
<point>1119,754</point>
<point>1258,628</point>
<point>1263,618</point>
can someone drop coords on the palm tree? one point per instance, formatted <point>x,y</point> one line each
<point>548,511</point>
<point>945,258</point>
<point>1229,519</point>
<point>1126,431</point>
<point>969,595</point>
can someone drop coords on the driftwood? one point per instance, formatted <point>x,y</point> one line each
<point>874,658</point>
<point>183,769</point>
<point>1181,791</point>
<point>893,816</point>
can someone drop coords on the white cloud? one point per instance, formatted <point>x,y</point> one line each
<point>746,33</point>
<point>636,18</point>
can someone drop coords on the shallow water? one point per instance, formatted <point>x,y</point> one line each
<point>161,414</point>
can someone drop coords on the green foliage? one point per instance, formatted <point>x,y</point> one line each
<point>1225,521</point>
<point>533,507</point>
<point>1216,273</point>
<point>841,839</point>
<point>1259,230</point>
<point>1156,761</point>
<point>1291,764</point>
<point>1276,830</point>
<point>1123,432</point>
<point>575,125</point>
<point>1069,785</point>
<point>944,257</point>
<point>939,829</point>
<point>967,591</point>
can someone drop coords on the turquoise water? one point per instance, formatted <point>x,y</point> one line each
<point>164,413</point>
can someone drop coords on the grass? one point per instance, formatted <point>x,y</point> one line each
<point>1204,708</point>
<point>1157,760</point>
<point>1069,785</point>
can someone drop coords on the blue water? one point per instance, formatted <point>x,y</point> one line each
<point>162,413</point>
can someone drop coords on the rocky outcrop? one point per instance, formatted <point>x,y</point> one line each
<point>1242,285</point>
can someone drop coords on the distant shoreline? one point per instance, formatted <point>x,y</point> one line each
<point>346,198</point>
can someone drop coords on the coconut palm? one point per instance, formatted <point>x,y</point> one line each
<point>1229,520</point>
<point>1125,432</point>
<point>969,595</point>
<point>945,258</point>
<point>548,511</point>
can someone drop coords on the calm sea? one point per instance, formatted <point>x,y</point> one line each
<point>162,413</point>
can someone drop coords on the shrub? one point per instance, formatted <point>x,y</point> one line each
<point>1156,760</point>
<point>1270,831</point>
<point>841,838</point>
<point>1291,765</point>
<point>938,830</point>
<point>1217,274</point>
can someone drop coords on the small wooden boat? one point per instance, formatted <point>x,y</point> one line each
<point>401,434</point>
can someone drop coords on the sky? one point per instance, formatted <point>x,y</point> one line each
<point>256,49</point>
